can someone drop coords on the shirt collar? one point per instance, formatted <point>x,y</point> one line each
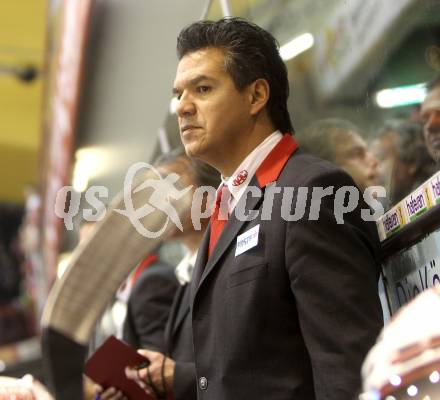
<point>185,268</point>
<point>239,180</point>
<point>272,165</point>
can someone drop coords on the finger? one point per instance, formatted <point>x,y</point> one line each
<point>132,373</point>
<point>139,376</point>
<point>118,395</point>
<point>110,394</point>
<point>97,388</point>
<point>148,353</point>
<point>147,389</point>
<point>142,375</point>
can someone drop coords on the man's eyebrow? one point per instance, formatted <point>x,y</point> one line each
<point>194,81</point>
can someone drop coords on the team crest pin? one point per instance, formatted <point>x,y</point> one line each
<point>240,178</point>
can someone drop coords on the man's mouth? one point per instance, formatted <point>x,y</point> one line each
<point>373,178</point>
<point>435,142</point>
<point>186,128</point>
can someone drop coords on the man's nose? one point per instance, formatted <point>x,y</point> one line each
<point>372,160</point>
<point>185,106</point>
<point>433,122</point>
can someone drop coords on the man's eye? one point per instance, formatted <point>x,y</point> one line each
<point>358,153</point>
<point>203,89</point>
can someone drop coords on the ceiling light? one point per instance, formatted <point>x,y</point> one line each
<point>296,46</point>
<point>401,96</point>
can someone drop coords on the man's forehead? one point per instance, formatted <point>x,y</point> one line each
<point>208,63</point>
<point>351,141</point>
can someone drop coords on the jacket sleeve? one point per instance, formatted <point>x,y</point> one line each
<point>333,270</point>
<point>148,308</point>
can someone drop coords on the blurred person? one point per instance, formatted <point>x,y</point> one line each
<point>404,364</point>
<point>340,142</point>
<point>26,388</point>
<point>153,286</point>
<point>430,114</point>
<point>404,162</point>
<point>15,324</point>
<point>172,371</point>
<point>146,295</point>
<point>280,309</point>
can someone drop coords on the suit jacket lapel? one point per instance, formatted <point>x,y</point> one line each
<point>268,172</point>
<point>229,233</point>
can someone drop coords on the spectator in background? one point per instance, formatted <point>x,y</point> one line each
<point>14,321</point>
<point>404,162</point>
<point>430,113</point>
<point>26,388</point>
<point>340,141</point>
<point>148,294</point>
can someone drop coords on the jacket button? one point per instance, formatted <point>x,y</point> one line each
<point>203,383</point>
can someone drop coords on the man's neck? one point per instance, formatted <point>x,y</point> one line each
<point>249,142</point>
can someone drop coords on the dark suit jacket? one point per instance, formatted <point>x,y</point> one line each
<point>149,306</point>
<point>293,317</point>
<point>178,336</point>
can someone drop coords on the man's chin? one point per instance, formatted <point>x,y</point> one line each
<point>190,151</point>
<point>193,150</point>
<point>435,154</point>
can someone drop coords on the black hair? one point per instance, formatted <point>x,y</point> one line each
<point>319,138</point>
<point>251,53</point>
<point>203,174</point>
<point>410,145</point>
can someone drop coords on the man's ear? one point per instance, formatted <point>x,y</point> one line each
<point>259,92</point>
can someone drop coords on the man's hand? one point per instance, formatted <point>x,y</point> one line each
<point>157,378</point>
<point>108,394</point>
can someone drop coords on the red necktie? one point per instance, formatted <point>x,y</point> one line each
<point>219,217</point>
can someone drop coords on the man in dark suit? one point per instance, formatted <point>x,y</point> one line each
<point>284,306</point>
